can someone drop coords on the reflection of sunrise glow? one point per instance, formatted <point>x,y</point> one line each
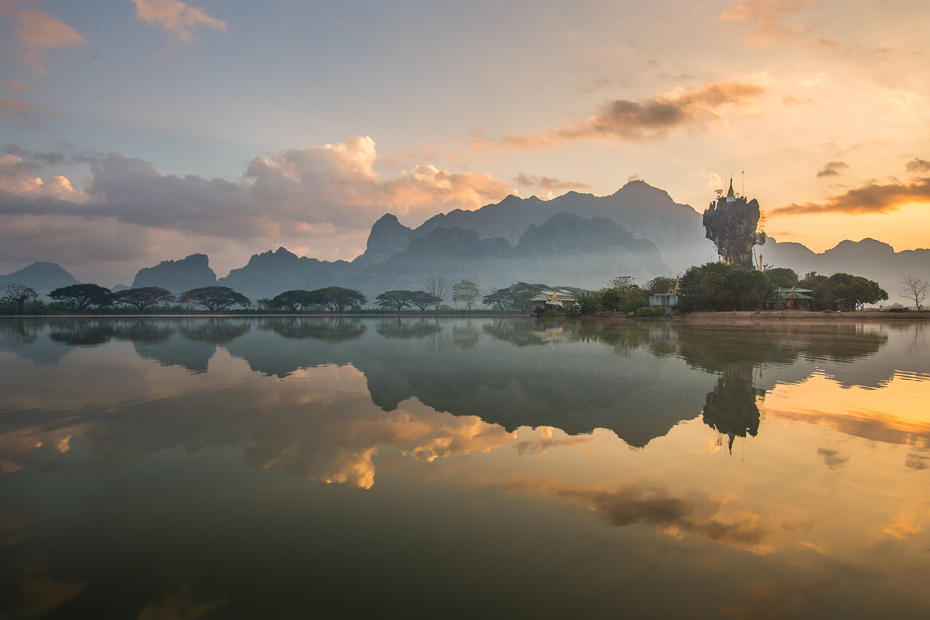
<point>896,413</point>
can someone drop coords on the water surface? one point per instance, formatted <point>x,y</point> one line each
<point>326,467</point>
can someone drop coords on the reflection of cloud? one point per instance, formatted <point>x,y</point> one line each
<point>176,19</point>
<point>906,524</point>
<point>654,507</point>
<point>547,440</point>
<point>182,603</point>
<point>832,169</point>
<point>634,120</point>
<point>39,593</point>
<point>894,415</point>
<point>872,198</point>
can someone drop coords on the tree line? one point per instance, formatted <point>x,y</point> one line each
<point>714,286</point>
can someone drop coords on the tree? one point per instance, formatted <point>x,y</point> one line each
<point>423,300</point>
<point>82,296</point>
<point>782,276</point>
<point>660,284</point>
<point>622,283</point>
<point>266,303</point>
<point>722,287</point>
<point>438,287</point>
<point>856,290</point>
<point>215,298</point>
<point>394,299</point>
<point>586,303</point>
<point>19,294</point>
<point>499,297</point>
<point>914,288</point>
<point>465,292</point>
<point>143,297</point>
<point>338,299</point>
<point>296,300</point>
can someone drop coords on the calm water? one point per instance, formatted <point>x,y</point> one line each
<point>277,468</point>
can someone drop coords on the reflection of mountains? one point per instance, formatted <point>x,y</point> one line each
<point>517,372</point>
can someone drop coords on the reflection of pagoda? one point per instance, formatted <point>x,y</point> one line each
<point>731,223</point>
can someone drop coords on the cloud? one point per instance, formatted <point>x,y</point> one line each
<point>176,19</point>
<point>36,30</point>
<point>20,110</point>
<point>832,169</point>
<point>635,120</point>
<point>546,187</point>
<point>318,195</point>
<point>17,85</point>
<point>918,166</point>
<point>766,16</point>
<point>872,198</point>
<point>17,177</point>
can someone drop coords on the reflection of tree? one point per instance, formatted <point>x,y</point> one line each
<point>464,336</point>
<point>215,330</point>
<point>400,329</point>
<point>731,408</point>
<point>624,338</point>
<point>18,333</point>
<point>144,331</point>
<point>83,333</point>
<point>328,329</point>
<point>517,332</point>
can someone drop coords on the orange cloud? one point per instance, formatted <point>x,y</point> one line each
<point>37,30</point>
<point>547,186</point>
<point>17,178</point>
<point>634,120</point>
<point>17,85</point>
<point>13,109</point>
<point>176,19</point>
<point>872,198</point>
<point>767,16</point>
<point>832,169</point>
<point>918,166</point>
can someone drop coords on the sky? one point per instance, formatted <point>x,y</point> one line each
<point>136,131</point>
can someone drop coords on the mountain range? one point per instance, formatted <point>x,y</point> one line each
<point>574,240</point>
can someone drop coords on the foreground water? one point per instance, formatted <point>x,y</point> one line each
<point>310,467</point>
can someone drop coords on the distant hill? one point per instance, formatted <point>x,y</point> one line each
<point>43,277</point>
<point>387,237</point>
<point>567,249</point>
<point>271,273</point>
<point>870,258</point>
<point>178,276</point>
<point>645,211</point>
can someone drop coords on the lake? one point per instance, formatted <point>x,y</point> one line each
<point>494,467</point>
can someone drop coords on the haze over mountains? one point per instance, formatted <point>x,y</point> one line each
<point>575,240</point>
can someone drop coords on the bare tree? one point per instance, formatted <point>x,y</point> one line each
<point>19,294</point>
<point>438,287</point>
<point>915,288</point>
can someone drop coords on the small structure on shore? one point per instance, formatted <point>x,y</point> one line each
<point>558,299</point>
<point>667,301</point>
<point>794,298</point>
